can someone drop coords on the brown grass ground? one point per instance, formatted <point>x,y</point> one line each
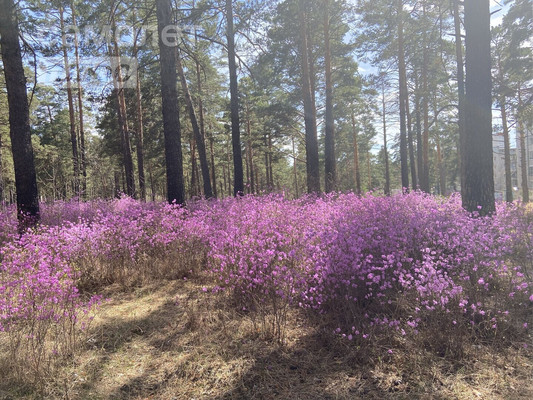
<point>170,340</point>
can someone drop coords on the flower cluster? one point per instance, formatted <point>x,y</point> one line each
<point>371,263</point>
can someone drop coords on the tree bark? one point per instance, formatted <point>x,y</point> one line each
<point>418,122</point>
<point>411,145</point>
<point>523,154</point>
<point>356,169</point>
<point>213,172</point>
<point>82,158</point>
<point>169,97</point>
<point>460,90</point>
<point>311,141</point>
<point>198,136</point>
<point>294,169</point>
<point>479,174</point>
<point>506,151</point>
<point>330,161</point>
<point>238,175</point>
<point>19,118</point>
<point>249,151</point>
<point>70,100</point>
<point>386,189</point>
<point>403,99</point>
<point>139,128</point>
<point>118,83</point>
<point>424,173</point>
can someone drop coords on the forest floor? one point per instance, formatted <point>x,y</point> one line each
<point>172,340</point>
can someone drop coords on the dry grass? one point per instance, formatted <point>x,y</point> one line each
<point>170,340</point>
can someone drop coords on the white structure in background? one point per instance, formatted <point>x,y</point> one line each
<point>516,171</point>
<point>499,166</point>
<point>529,157</point>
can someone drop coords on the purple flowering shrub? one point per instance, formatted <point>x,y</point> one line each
<point>41,311</point>
<point>256,251</point>
<point>399,264</point>
<point>410,263</point>
<point>407,266</point>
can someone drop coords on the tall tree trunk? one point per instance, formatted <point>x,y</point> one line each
<point>270,161</point>
<point>386,189</point>
<point>369,171</point>
<point>118,83</point>
<point>419,157</point>
<point>506,151</point>
<point>238,185</point>
<point>294,169</point>
<point>403,100</point>
<point>249,151</point>
<point>198,136</point>
<point>169,97</point>
<point>356,169</point>
<point>523,154</point>
<point>194,189</point>
<point>201,117</point>
<point>267,160</point>
<point>152,182</point>
<point>311,141</point>
<point>2,175</point>
<point>440,159</point>
<point>213,172</point>
<point>19,118</point>
<point>411,145</point>
<point>139,130</point>
<point>229,173</point>
<point>118,190</point>
<point>460,90</point>
<point>70,99</point>
<point>424,173</point>
<point>83,161</point>
<point>330,161</point>
<point>440,167</point>
<point>479,173</point>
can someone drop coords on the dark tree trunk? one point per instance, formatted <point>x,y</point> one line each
<point>202,123</point>
<point>460,90</point>
<point>267,160</point>
<point>213,172</point>
<point>419,158</point>
<point>83,162</point>
<point>270,161</point>
<point>356,169</point>
<point>118,83</point>
<point>311,141</point>
<point>194,189</point>
<point>523,159</point>
<point>440,159</point>
<point>403,100</point>
<point>507,152</point>
<point>411,146</point>
<point>139,127</point>
<point>238,184</point>
<point>330,161</point>
<point>118,190</point>
<point>479,174</point>
<point>2,175</point>
<point>386,189</point>
<point>424,173</point>
<point>19,118</point>
<point>169,97</point>
<point>369,171</point>
<point>70,99</point>
<point>249,151</point>
<point>294,169</point>
<point>198,136</point>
